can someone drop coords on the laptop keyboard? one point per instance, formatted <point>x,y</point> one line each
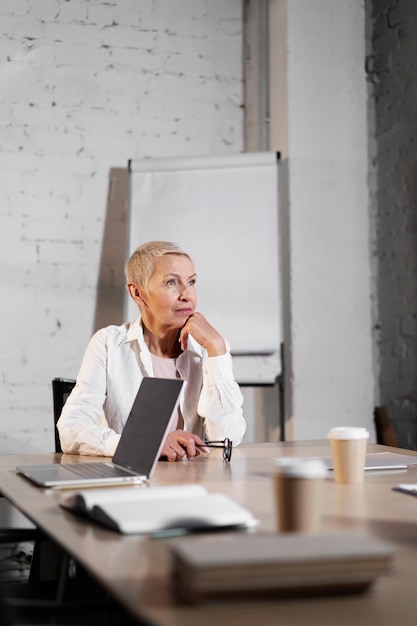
<point>96,470</point>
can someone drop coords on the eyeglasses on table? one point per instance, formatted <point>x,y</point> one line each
<point>226,444</point>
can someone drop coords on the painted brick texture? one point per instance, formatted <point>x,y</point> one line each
<point>86,86</point>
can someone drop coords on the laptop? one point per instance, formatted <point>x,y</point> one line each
<point>138,451</point>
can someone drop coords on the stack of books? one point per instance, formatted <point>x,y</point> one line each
<point>255,564</point>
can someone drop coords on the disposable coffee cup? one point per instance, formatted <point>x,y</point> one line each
<point>348,445</point>
<point>298,493</point>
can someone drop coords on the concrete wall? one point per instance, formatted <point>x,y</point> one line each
<point>391,66</point>
<point>318,85</point>
<point>85,87</point>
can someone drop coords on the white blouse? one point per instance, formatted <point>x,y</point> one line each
<point>116,360</point>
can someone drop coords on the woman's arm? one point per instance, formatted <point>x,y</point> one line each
<point>82,426</point>
<point>221,400</point>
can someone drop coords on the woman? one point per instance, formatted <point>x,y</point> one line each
<point>169,339</point>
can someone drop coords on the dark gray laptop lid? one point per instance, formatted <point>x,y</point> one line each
<point>152,412</point>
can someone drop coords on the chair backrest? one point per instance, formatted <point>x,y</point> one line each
<point>61,389</point>
<point>384,429</point>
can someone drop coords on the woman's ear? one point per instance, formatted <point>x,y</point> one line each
<point>135,294</point>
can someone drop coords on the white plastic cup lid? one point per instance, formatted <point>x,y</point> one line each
<point>295,467</point>
<point>348,432</point>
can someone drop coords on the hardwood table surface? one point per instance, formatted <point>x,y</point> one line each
<point>137,569</point>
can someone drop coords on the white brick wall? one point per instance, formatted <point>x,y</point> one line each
<point>85,86</point>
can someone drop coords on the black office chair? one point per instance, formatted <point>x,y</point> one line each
<point>61,389</point>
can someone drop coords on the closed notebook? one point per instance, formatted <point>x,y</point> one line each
<point>375,461</point>
<point>277,565</point>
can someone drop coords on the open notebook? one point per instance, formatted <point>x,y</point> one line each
<point>160,510</point>
<point>151,415</point>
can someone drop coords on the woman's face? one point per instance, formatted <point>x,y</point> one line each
<point>170,298</point>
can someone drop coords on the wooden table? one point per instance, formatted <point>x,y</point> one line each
<point>136,569</point>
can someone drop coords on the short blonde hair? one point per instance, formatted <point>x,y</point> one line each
<point>141,264</point>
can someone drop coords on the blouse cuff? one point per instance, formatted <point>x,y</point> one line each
<point>218,369</point>
<point>111,444</point>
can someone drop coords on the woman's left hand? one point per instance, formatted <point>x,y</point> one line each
<point>180,444</point>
